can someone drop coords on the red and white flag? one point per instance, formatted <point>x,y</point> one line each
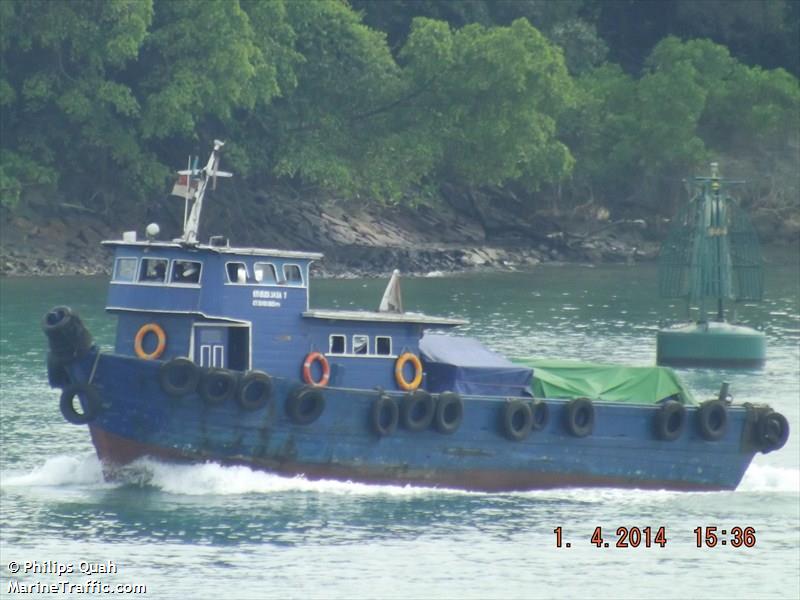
<point>186,186</point>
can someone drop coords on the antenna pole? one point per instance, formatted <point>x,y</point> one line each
<point>188,187</point>
<point>192,223</point>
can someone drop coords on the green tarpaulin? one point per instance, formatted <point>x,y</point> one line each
<point>612,383</point>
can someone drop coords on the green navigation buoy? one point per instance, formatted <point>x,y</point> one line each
<point>711,258</point>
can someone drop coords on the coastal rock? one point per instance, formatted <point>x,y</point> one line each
<point>358,239</point>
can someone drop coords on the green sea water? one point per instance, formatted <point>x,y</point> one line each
<point>206,531</point>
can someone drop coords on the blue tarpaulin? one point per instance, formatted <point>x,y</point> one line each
<point>464,365</point>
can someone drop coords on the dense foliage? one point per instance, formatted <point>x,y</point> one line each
<point>610,102</point>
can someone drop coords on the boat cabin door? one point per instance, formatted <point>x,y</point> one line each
<point>223,346</point>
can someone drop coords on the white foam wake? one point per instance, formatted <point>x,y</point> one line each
<point>765,478</point>
<point>214,479</point>
<point>59,471</point>
<point>194,480</point>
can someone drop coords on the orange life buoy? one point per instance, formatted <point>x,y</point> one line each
<point>160,336</point>
<point>323,362</point>
<point>400,377</point>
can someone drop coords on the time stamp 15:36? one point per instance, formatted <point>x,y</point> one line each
<point>649,537</point>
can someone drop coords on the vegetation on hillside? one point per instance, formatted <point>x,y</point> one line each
<point>560,103</point>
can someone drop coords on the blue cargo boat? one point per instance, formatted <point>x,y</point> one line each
<point>219,357</point>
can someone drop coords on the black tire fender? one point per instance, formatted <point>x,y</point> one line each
<point>67,336</point>
<point>670,421</point>
<point>540,415</point>
<point>712,420</point>
<point>772,431</point>
<point>449,413</point>
<point>89,399</point>
<point>305,404</point>
<point>384,415</point>
<point>57,319</point>
<point>217,386</point>
<point>254,391</point>
<point>178,377</point>
<point>517,420</point>
<point>57,375</point>
<point>418,410</point>
<point>579,417</point>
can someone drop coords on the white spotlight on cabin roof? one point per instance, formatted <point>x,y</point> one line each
<point>152,230</point>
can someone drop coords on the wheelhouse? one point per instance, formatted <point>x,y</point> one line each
<point>248,308</point>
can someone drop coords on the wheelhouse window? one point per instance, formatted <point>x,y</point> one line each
<point>125,269</point>
<point>337,344</point>
<point>237,272</point>
<point>153,270</point>
<point>383,345</point>
<point>185,271</point>
<point>265,273</point>
<point>292,275</point>
<point>360,344</point>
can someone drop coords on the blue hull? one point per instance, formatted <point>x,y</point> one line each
<point>137,418</point>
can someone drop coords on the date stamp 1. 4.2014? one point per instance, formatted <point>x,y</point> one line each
<point>656,537</point>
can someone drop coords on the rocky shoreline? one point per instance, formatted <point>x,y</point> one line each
<point>358,241</point>
<point>346,262</point>
<point>461,231</point>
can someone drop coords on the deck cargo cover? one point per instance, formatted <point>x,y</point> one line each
<point>612,383</point>
<point>464,365</point>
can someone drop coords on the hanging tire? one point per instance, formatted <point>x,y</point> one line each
<point>449,412</point>
<point>540,415</point>
<point>217,386</point>
<point>57,319</point>
<point>670,421</point>
<point>89,402</point>
<point>517,420</point>
<point>178,377</point>
<point>712,420</point>
<point>772,431</point>
<point>67,336</point>
<point>255,390</point>
<point>305,405</point>
<point>579,417</point>
<point>419,409</point>
<point>57,375</point>
<point>384,415</point>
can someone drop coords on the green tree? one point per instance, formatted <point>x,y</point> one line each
<point>597,130</point>
<point>636,139</point>
<point>763,32</point>
<point>330,129</point>
<point>491,96</point>
<point>62,98</point>
<point>194,76</point>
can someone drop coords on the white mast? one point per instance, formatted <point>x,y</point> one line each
<point>192,223</point>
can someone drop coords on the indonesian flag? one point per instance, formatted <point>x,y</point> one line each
<point>185,186</point>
